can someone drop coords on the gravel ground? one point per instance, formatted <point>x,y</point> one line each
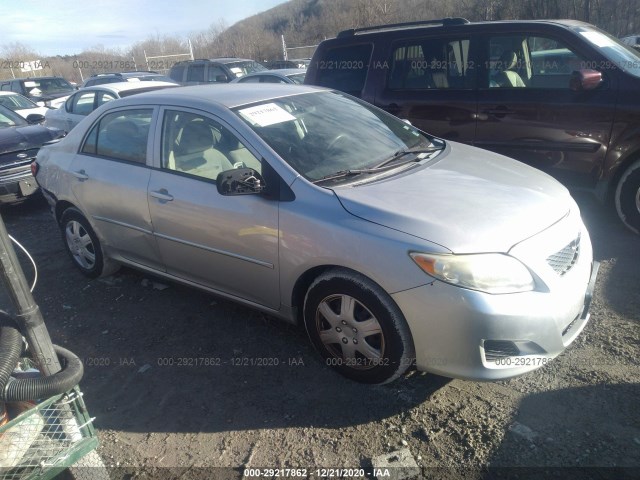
<point>186,385</point>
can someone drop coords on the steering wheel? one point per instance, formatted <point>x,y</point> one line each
<point>339,142</point>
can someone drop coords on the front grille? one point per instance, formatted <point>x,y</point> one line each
<point>563,260</point>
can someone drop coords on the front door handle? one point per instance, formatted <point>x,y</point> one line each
<point>162,195</point>
<point>81,175</point>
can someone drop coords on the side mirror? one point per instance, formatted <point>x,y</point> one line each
<point>221,79</point>
<point>240,181</point>
<point>34,118</point>
<point>585,79</point>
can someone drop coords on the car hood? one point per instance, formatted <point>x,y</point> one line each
<point>470,200</point>
<point>14,139</point>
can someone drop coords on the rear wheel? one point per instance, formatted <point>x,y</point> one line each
<point>627,197</point>
<point>83,245</point>
<point>357,328</point>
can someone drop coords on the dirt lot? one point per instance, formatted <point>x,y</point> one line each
<point>169,377</point>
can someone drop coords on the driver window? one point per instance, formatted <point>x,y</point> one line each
<point>199,146</point>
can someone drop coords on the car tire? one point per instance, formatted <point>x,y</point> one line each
<point>83,245</point>
<point>627,197</point>
<point>357,328</point>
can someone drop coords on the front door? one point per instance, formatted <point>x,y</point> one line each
<point>227,243</point>
<point>527,111</point>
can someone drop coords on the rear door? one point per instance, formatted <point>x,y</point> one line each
<point>110,183</point>
<point>431,81</point>
<point>527,111</point>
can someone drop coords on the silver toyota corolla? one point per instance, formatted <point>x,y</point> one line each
<point>392,247</point>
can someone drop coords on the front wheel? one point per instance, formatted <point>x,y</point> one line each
<point>357,327</point>
<point>627,197</point>
<point>83,245</point>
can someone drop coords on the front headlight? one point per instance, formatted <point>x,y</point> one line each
<point>487,272</point>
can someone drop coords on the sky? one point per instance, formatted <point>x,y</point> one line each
<point>67,27</point>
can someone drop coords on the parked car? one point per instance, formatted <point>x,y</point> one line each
<point>20,140</point>
<point>281,64</point>
<point>632,41</point>
<point>215,70</point>
<point>287,75</point>
<point>137,76</point>
<point>391,246</point>
<point>21,105</point>
<point>40,89</point>
<point>559,95</point>
<point>86,100</point>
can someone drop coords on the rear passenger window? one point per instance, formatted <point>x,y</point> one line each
<point>195,73</point>
<point>120,135</point>
<point>345,68</point>
<point>431,64</point>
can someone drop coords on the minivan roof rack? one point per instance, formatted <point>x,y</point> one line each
<point>449,21</point>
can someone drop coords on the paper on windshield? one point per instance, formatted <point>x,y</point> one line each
<point>267,114</point>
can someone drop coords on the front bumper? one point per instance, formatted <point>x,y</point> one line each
<point>473,335</point>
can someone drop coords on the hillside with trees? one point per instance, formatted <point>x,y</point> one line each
<point>307,22</point>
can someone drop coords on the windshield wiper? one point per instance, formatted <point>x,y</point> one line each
<point>388,164</point>
<point>407,151</point>
<point>345,173</point>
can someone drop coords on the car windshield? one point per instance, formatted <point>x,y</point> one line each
<point>38,86</point>
<point>324,133</point>
<point>16,102</point>
<point>10,119</point>
<point>240,69</point>
<point>622,56</point>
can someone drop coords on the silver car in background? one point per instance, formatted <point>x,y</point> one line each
<point>392,247</point>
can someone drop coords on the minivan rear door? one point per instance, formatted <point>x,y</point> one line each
<point>431,81</point>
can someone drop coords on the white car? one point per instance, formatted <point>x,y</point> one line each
<point>86,100</point>
<point>21,104</point>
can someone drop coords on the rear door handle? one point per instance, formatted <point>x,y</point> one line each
<point>80,175</point>
<point>162,195</point>
<point>500,111</point>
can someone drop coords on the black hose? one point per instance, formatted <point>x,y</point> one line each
<point>10,348</point>
<point>44,387</point>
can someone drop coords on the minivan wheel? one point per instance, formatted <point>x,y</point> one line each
<point>357,327</point>
<point>83,245</point>
<point>627,197</point>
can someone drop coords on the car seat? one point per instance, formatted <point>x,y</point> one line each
<point>507,75</point>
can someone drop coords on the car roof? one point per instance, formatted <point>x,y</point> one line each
<point>118,87</point>
<point>228,95</point>
<point>278,72</point>
<point>449,24</point>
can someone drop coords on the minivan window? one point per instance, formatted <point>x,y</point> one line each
<point>345,68</point>
<point>431,63</point>
<point>521,61</point>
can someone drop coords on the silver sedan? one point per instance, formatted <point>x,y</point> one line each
<point>393,248</point>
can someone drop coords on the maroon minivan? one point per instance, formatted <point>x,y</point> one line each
<point>560,95</point>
